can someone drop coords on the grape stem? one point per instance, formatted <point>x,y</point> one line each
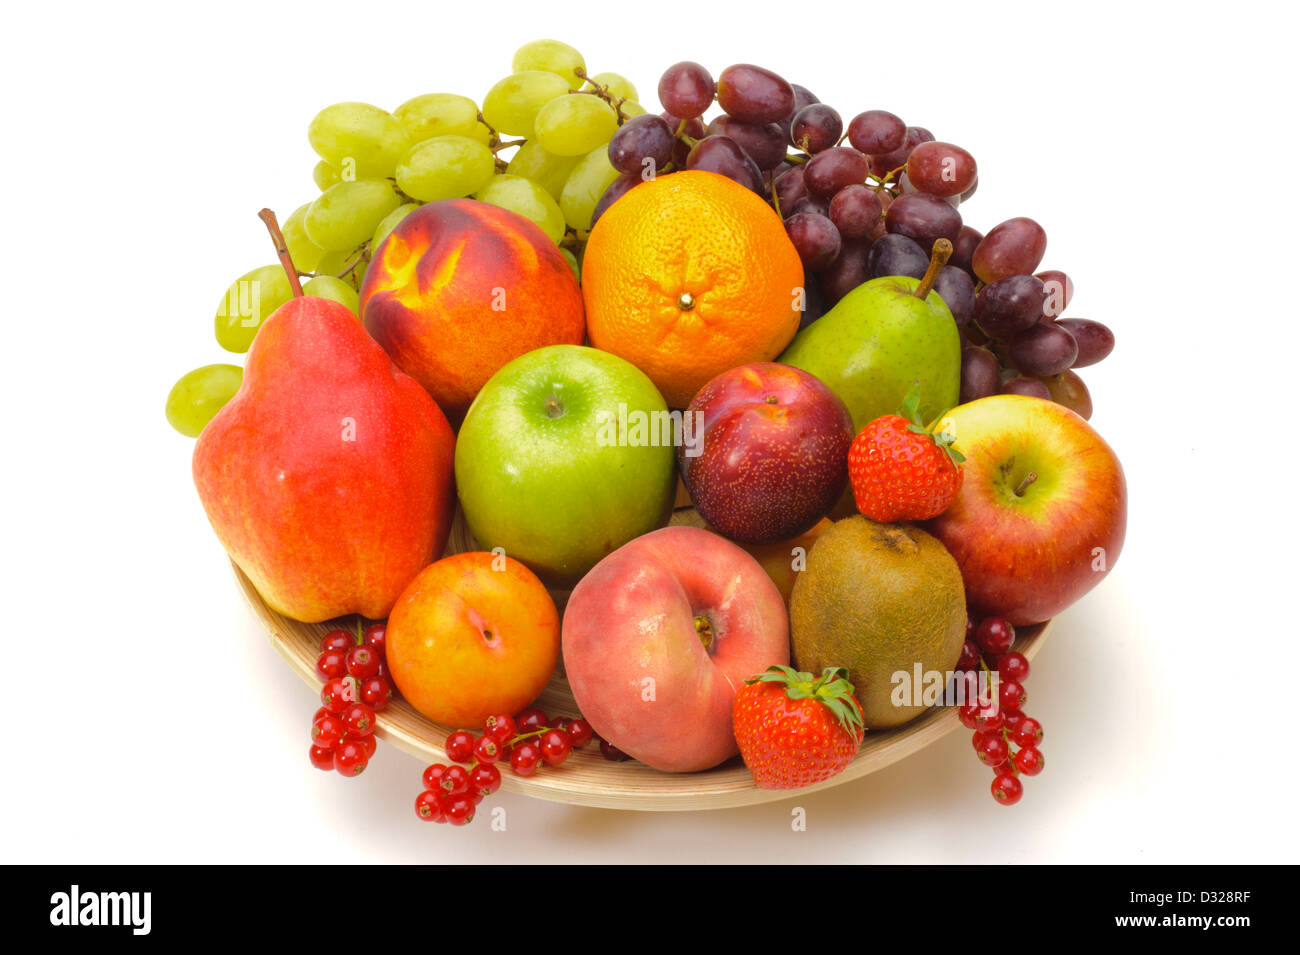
<point>938,259</point>
<point>282,250</point>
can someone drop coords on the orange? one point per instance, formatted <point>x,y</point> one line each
<point>688,275</point>
<point>472,635</point>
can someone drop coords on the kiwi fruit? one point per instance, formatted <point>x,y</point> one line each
<point>878,599</point>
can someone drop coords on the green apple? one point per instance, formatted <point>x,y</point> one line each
<point>565,455</point>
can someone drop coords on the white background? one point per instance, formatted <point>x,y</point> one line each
<point>154,723</point>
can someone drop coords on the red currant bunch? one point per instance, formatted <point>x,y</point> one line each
<point>1005,739</point>
<point>356,688</point>
<point>524,742</point>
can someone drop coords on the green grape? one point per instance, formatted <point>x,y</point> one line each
<point>391,220</point>
<point>438,114</point>
<point>511,106</point>
<point>573,262</point>
<point>305,253</point>
<point>335,262</point>
<point>336,290</point>
<point>199,394</point>
<point>550,56</point>
<point>584,187</point>
<point>346,214</point>
<point>632,108</point>
<point>362,141</point>
<point>325,175</point>
<point>445,167</point>
<point>619,86</point>
<point>548,171</point>
<point>249,302</point>
<point>575,125</point>
<point>528,199</point>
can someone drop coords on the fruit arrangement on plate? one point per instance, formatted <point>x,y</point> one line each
<point>661,460</point>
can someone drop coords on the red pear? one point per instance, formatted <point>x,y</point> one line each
<point>328,477</point>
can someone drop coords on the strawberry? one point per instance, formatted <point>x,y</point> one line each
<point>902,471</point>
<point>793,730</point>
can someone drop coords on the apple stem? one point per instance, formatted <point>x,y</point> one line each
<point>1029,479</point>
<point>938,259</point>
<point>282,250</point>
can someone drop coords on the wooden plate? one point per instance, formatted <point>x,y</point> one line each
<point>586,778</point>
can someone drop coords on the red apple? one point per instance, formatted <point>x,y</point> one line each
<point>1040,517</point>
<point>328,477</point>
<point>773,458</point>
<point>658,636</point>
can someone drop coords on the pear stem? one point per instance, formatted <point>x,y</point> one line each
<point>938,259</point>
<point>282,250</point>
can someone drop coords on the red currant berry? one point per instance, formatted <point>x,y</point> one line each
<point>359,719</point>
<point>350,758</point>
<point>556,746</point>
<point>426,807</point>
<point>460,809</point>
<point>1029,761</point>
<point>375,693</point>
<point>484,779</point>
<point>1014,666</point>
<point>1011,721</point>
<point>970,656</point>
<point>967,713</point>
<point>363,663</point>
<point>1007,789</point>
<point>460,747</point>
<point>321,757</point>
<point>486,750</point>
<point>1029,733</point>
<point>524,759</point>
<point>612,752</point>
<point>368,743</point>
<point>499,728</point>
<point>337,640</point>
<point>331,665</point>
<point>373,637</point>
<point>970,627</point>
<point>580,733</point>
<point>337,695</point>
<point>433,776</point>
<point>991,748</point>
<point>455,780</point>
<point>988,721</point>
<point>328,730</point>
<point>530,719</point>
<point>995,635</point>
<point>1012,696</point>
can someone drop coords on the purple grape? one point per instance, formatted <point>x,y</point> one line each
<point>883,163</point>
<point>981,374</point>
<point>1014,247</point>
<point>1094,339</point>
<point>896,255</point>
<point>764,144</point>
<point>816,127</point>
<point>957,290</point>
<point>831,170</point>
<point>752,94</point>
<point>642,138</point>
<point>724,156</point>
<point>1042,350</point>
<point>1026,386</point>
<point>1058,290</point>
<point>963,247</point>
<point>802,97</point>
<point>614,191</point>
<point>877,132</point>
<point>941,169</point>
<point>809,204</point>
<point>686,89</point>
<point>847,272</point>
<point>923,218</point>
<point>855,210</point>
<point>815,238</point>
<point>789,189</point>
<point>1009,305</point>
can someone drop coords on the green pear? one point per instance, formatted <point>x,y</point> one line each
<point>878,341</point>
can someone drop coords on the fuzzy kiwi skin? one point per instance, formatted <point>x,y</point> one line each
<point>877,599</point>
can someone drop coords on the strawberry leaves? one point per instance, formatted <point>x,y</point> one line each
<point>832,689</point>
<point>911,410</point>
